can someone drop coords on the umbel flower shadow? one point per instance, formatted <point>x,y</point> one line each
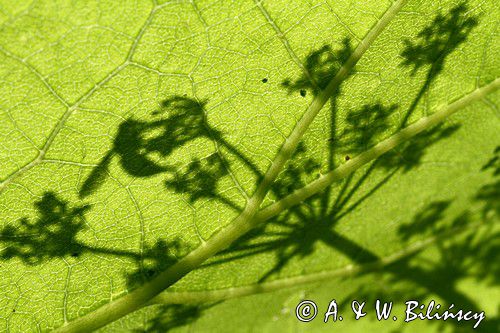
<point>295,233</point>
<point>143,148</point>
<point>54,234</point>
<point>473,255</point>
<point>320,68</point>
<point>136,145</point>
<point>363,129</point>
<point>315,219</point>
<point>435,43</point>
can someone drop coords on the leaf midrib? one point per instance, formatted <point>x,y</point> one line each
<point>107,313</point>
<point>243,223</point>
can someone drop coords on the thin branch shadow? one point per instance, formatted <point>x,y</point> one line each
<point>435,43</point>
<point>54,234</point>
<point>296,232</point>
<point>143,149</point>
<point>319,69</point>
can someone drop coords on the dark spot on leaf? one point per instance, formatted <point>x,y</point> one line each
<point>264,80</point>
<point>303,92</point>
<point>347,158</point>
<point>75,254</point>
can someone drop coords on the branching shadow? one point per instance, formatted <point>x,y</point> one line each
<point>320,67</point>
<point>475,255</point>
<point>315,220</point>
<point>435,43</point>
<point>199,179</point>
<point>54,234</point>
<point>144,147</point>
<point>409,155</point>
<point>364,127</point>
<point>154,259</point>
<point>296,232</point>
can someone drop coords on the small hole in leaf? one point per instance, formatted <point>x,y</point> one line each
<point>264,80</point>
<point>303,92</point>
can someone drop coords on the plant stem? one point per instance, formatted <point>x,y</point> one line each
<point>355,163</point>
<point>199,297</point>
<point>245,221</point>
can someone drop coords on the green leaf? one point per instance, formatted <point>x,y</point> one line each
<point>205,166</point>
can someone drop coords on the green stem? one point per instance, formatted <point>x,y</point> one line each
<point>199,297</point>
<point>245,221</point>
<point>357,162</point>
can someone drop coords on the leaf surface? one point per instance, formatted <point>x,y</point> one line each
<point>131,133</point>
